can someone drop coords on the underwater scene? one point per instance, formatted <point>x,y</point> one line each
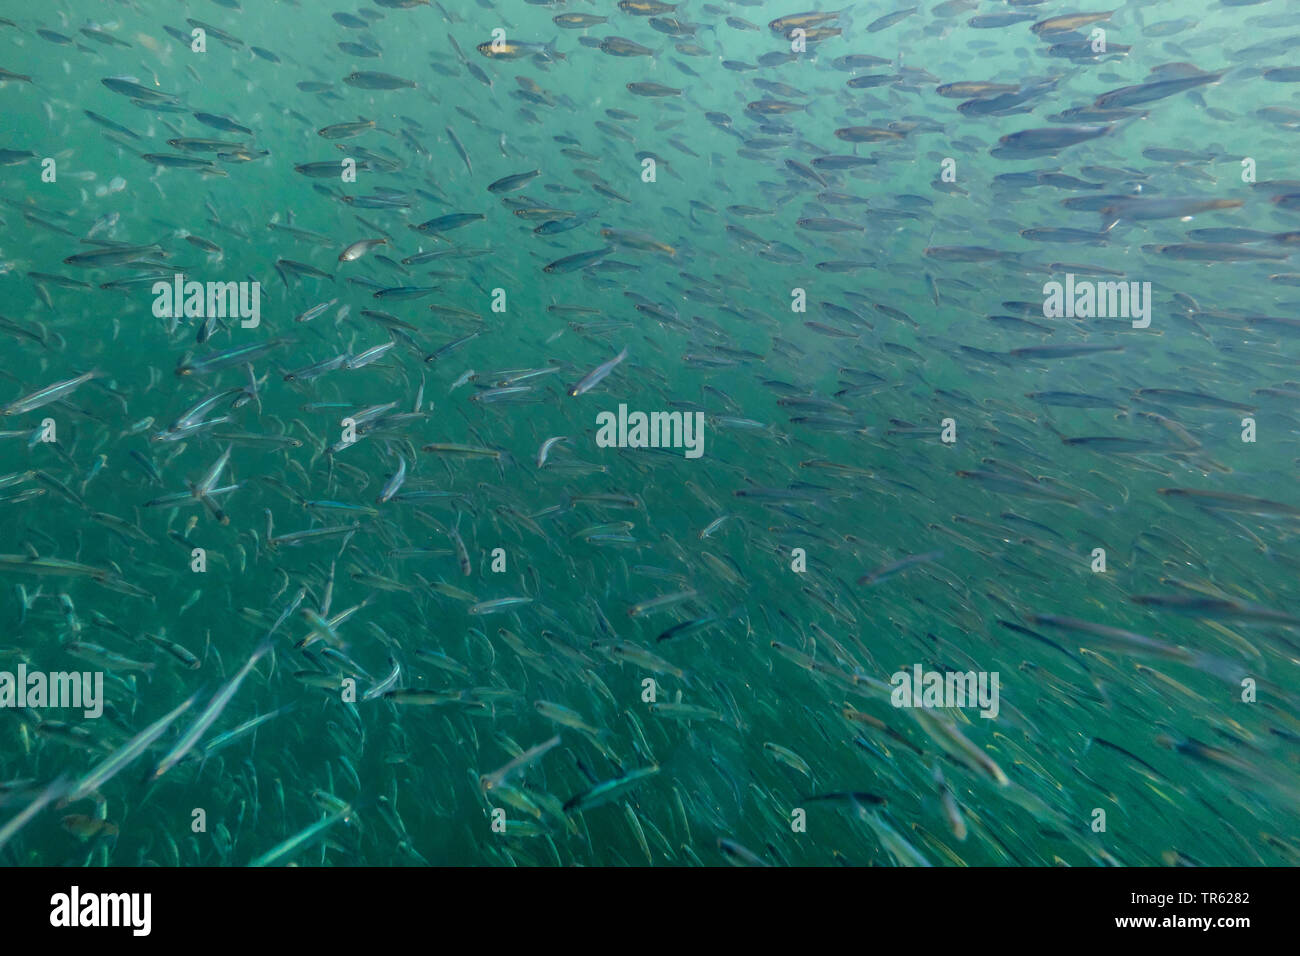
<point>522,433</point>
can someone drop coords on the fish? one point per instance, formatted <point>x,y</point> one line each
<point>105,658</point>
<point>518,49</point>
<point>513,182</point>
<point>597,375</point>
<point>346,130</point>
<point>210,713</point>
<point>897,567</point>
<point>868,134</point>
<point>578,21</point>
<point>1232,501</point>
<point>441,224</point>
<point>1129,642</point>
<point>649,88</point>
<point>373,80</point>
<point>1127,96</point>
<point>300,839</point>
<point>1213,608</point>
<point>47,395</point>
<point>497,605</point>
<point>112,256</point>
<point>358,249</point>
<point>621,46</point>
<point>1068,23</point>
<point>1048,140</point>
<point>1213,252</point>
<point>566,717</point>
<point>609,790</point>
<point>125,755</point>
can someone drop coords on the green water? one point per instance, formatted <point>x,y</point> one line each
<point>901,466</point>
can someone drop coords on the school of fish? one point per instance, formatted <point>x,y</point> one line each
<point>366,589</point>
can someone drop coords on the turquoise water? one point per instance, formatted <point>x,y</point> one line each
<point>370,580</point>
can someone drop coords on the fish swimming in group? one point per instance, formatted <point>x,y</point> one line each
<point>543,434</point>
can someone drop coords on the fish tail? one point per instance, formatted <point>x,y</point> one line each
<point>1230,671</point>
